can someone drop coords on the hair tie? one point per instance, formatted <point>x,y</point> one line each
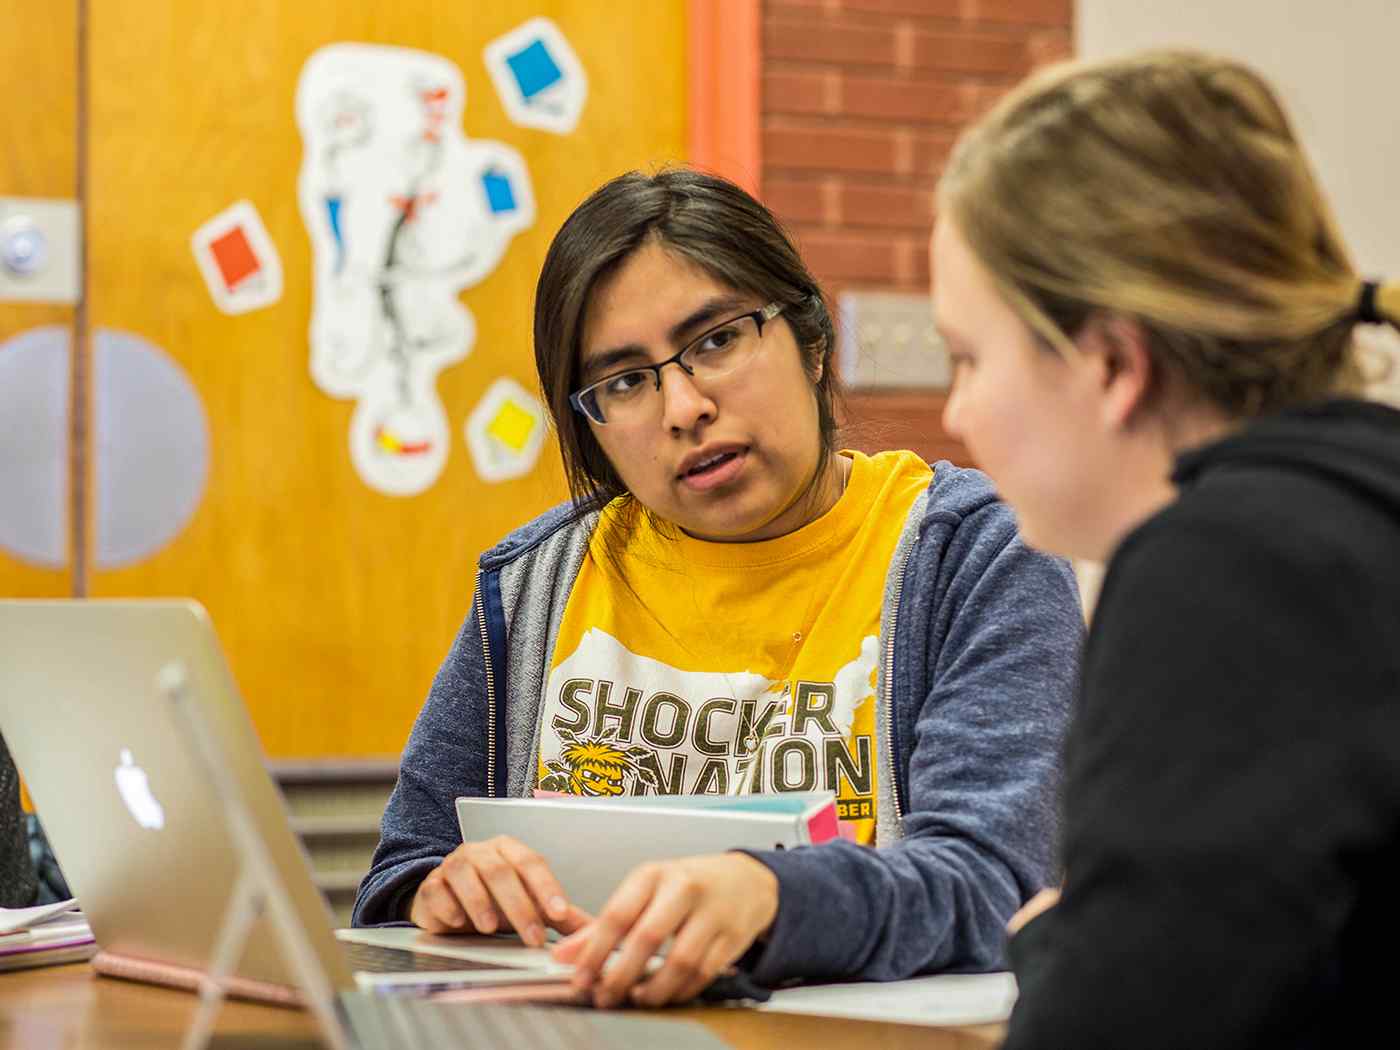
<point>1366,311</point>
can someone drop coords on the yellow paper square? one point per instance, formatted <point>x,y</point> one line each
<point>511,426</point>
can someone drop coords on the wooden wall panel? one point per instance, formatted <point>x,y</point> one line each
<point>38,136</point>
<point>335,603</point>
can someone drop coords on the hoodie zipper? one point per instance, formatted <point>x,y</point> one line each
<point>490,691</point>
<point>889,692</point>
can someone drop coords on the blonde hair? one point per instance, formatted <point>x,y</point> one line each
<point>1168,187</point>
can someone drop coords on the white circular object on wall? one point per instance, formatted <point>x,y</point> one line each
<point>34,385</point>
<point>150,448</point>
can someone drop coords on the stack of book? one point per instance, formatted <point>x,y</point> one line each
<point>44,936</point>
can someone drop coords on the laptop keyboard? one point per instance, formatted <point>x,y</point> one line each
<point>406,1023</point>
<point>375,958</point>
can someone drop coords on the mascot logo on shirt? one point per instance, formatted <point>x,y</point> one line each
<point>595,766</point>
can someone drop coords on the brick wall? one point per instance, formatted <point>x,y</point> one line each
<point>862,100</point>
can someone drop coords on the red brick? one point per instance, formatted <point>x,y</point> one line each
<point>795,201</point>
<point>953,9</point>
<point>978,98</point>
<point>826,40</point>
<point>889,98</point>
<point>917,261</point>
<point>930,154</point>
<point>1050,46</point>
<point>1022,12</point>
<point>875,420</point>
<point>801,93</point>
<point>844,256</point>
<point>822,149</point>
<point>969,53</point>
<point>895,207</point>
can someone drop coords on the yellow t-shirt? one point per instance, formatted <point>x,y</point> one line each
<point>679,660</point>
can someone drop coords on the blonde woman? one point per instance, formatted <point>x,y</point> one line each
<point>1151,314</point>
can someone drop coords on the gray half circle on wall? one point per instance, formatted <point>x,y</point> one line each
<point>150,447</point>
<point>34,385</point>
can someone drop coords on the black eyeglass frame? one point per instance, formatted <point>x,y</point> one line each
<point>761,317</point>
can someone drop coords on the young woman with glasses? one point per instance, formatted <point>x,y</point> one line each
<point>1151,313</point>
<point>728,604</point>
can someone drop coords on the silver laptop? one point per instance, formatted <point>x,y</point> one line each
<point>142,834</point>
<point>152,844</point>
<point>152,830</point>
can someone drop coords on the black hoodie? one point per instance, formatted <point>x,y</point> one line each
<point>1232,780</point>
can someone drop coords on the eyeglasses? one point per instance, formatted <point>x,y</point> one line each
<point>634,394</point>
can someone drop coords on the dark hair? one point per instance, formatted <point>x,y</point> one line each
<point>711,223</point>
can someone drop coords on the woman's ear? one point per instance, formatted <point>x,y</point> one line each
<point>1124,371</point>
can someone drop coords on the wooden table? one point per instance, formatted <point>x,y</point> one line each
<point>69,1007</point>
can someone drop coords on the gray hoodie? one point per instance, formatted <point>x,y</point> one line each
<point>980,638</point>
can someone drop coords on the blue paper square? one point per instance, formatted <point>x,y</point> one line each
<point>534,69</point>
<point>499,196</point>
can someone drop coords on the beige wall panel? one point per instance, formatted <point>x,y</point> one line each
<point>335,603</point>
<point>38,66</point>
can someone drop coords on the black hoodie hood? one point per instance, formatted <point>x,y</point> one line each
<point>1355,443</point>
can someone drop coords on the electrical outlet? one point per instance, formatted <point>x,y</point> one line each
<point>38,250</point>
<point>887,340</point>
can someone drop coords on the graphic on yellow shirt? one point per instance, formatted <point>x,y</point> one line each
<point>652,728</point>
<point>595,766</point>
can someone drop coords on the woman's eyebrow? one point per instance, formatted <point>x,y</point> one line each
<point>719,306</point>
<point>711,310</point>
<point>601,364</point>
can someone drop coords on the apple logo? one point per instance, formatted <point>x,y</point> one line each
<point>135,791</point>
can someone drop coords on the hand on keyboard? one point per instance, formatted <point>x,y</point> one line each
<point>499,884</point>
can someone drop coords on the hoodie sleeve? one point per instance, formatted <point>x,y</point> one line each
<point>445,757</point>
<point>1003,630</point>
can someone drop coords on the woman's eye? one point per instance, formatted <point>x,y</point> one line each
<point>627,383</point>
<point>718,341</point>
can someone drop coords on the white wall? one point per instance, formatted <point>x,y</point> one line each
<point>1337,67</point>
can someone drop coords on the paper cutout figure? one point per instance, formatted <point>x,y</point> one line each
<point>539,78</point>
<point>404,212</point>
<point>506,431</point>
<point>238,260</point>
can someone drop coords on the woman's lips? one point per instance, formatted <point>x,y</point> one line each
<point>724,470</point>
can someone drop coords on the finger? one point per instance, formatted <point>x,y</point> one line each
<point>534,872</point>
<point>621,911</point>
<point>508,893</point>
<point>697,954</point>
<point>568,949</point>
<point>435,908</point>
<point>1041,902</point>
<point>464,884</point>
<point>574,920</point>
<point>671,906</point>
<point>574,925</point>
<point>724,953</point>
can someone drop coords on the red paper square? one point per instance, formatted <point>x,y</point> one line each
<point>234,256</point>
